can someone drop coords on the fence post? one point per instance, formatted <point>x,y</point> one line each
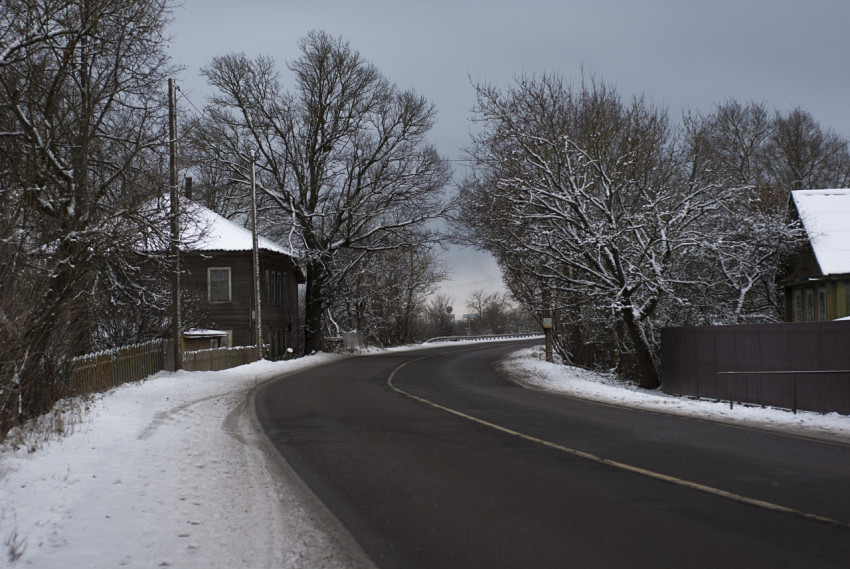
<point>794,407</point>
<point>731,378</point>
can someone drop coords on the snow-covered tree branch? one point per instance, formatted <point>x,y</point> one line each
<point>597,208</point>
<point>82,115</point>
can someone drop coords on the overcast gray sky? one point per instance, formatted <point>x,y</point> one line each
<point>680,54</point>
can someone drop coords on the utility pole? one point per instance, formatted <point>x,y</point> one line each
<point>547,324</point>
<point>176,316</point>
<point>258,317</point>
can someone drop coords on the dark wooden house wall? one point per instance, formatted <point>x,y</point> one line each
<point>803,265</point>
<point>279,320</point>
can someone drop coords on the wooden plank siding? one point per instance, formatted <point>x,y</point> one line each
<point>836,290</point>
<point>235,315</point>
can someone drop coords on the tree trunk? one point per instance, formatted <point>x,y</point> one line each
<point>313,308</point>
<point>647,374</point>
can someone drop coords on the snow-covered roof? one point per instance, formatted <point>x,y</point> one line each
<point>213,232</point>
<point>201,333</point>
<point>826,218</point>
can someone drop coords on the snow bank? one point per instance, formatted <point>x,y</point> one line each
<point>529,368</point>
<point>165,472</point>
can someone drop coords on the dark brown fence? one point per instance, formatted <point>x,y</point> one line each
<point>712,362</point>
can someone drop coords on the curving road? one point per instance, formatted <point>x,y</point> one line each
<point>433,459</point>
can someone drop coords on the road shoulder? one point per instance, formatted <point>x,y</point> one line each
<point>526,369</point>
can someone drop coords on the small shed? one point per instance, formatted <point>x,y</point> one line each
<point>199,339</point>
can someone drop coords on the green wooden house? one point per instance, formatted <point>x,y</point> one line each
<point>816,285</point>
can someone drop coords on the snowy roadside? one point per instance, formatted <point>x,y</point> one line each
<point>173,471</point>
<point>170,471</point>
<point>528,367</point>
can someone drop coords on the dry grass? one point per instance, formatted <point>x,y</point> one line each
<point>61,421</point>
<point>14,546</point>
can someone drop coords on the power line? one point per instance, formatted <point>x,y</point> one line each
<point>188,100</point>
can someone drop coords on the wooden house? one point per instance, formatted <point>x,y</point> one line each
<point>218,270</point>
<point>816,285</point>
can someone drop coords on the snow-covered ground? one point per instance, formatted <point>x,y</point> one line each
<point>171,471</point>
<point>529,368</point>
<point>168,472</point>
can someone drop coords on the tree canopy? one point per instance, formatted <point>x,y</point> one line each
<point>344,166</point>
<point>597,207</point>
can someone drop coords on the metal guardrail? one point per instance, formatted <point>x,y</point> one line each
<point>482,338</point>
<point>793,373</point>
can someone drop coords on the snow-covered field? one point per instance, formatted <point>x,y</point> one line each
<point>172,472</point>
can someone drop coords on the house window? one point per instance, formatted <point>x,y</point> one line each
<point>821,303</point>
<point>798,305</point>
<point>810,305</point>
<point>218,284</point>
<point>846,298</point>
<point>275,291</point>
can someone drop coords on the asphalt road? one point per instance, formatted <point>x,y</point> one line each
<point>433,459</point>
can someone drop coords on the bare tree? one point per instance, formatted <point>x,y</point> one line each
<point>592,204</point>
<point>438,316</point>
<point>765,157</point>
<point>342,160</point>
<point>771,152</point>
<point>493,313</point>
<point>599,211</point>
<point>81,108</point>
<point>802,155</point>
<point>731,142</point>
<point>385,298</point>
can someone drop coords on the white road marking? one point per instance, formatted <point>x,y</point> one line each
<point>609,462</point>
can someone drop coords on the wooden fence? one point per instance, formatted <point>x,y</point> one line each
<point>94,373</point>
<point>219,358</point>
<point>101,371</point>
<point>797,366</point>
